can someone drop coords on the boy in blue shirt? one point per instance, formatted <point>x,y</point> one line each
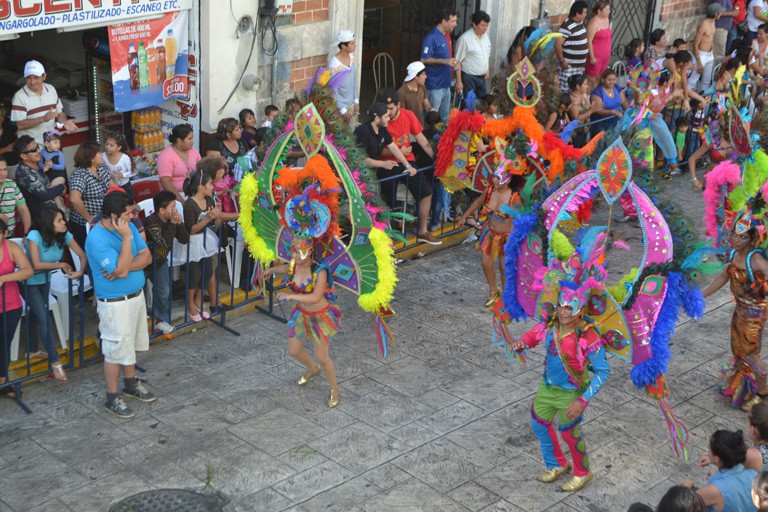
<point>117,255</point>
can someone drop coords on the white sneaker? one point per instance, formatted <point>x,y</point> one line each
<point>164,327</point>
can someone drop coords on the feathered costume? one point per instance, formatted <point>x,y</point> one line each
<point>636,317</point>
<point>735,198</point>
<point>361,260</point>
<point>570,356</point>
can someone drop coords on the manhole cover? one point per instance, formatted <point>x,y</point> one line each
<point>169,500</point>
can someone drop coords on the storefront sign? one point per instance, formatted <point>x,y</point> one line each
<point>18,16</point>
<point>150,61</point>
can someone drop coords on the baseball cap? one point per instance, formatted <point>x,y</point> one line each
<point>345,36</point>
<point>388,96</point>
<point>376,109</point>
<point>714,9</point>
<point>413,69</point>
<point>33,67</point>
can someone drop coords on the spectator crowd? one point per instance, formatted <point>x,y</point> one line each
<point>84,225</point>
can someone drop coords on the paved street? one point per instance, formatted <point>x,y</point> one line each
<point>442,424</point>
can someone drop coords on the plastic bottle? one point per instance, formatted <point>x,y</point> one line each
<point>170,54</point>
<point>133,67</point>
<point>152,64</point>
<point>160,47</point>
<point>143,66</point>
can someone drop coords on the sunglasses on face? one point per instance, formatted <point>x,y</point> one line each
<point>33,150</point>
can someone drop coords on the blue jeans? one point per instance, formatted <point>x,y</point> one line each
<point>37,296</point>
<point>733,34</point>
<point>440,99</point>
<point>474,83</point>
<point>161,293</point>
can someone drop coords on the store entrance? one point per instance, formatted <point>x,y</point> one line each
<point>395,28</point>
<point>77,65</point>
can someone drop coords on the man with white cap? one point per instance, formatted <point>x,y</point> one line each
<point>36,107</point>
<point>413,93</point>
<point>347,98</point>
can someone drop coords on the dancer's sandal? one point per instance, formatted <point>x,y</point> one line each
<point>576,483</point>
<point>553,474</point>
<point>58,372</point>
<point>304,379</point>
<point>333,400</point>
<point>492,297</point>
<point>747,406</point>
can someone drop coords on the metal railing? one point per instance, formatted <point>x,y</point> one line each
<point>82,338</point>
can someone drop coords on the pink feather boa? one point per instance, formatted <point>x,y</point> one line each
<point>724,173</point>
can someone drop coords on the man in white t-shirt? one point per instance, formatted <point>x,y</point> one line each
<point>36,107</point>
<point>347,98</point>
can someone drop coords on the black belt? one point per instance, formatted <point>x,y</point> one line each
<point>474,76</point>
<point>124,297</point>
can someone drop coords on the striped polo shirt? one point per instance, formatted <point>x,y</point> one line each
<point>28,105</point>
<point>10,199</point>
<point>575,48</point>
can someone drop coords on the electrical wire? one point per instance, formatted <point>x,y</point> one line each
<point>242,74</point>
<point>232,10</point>
<point>272,50</point>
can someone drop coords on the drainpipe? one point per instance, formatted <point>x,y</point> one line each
<point>543,20</point>
<point>274,75</point>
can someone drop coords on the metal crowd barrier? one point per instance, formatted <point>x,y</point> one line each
<point>82,340</point>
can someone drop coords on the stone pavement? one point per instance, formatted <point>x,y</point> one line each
<point>442,424</point>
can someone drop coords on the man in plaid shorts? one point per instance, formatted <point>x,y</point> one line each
<point>572,50</point>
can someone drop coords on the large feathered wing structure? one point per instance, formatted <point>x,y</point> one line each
<point>636,318</point>
<point>362,260</point>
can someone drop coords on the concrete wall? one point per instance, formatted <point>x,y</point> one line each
<point>305,42</point>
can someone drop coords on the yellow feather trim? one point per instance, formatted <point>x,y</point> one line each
<point>561,246</point>
<point>325,77</point>
<point>385,288</point>
<point>619,290</point>
<point>249,189</point>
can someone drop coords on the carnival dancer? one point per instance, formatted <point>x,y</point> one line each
<point>746,272</point>
<point>735,220</point>
<point>498,209</point>
<point>314,316</point>
<point>574,349</point>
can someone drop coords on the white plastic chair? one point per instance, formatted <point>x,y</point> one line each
<point>60,290</point>
<point>52,307</point>
<point>621,74</point>
<point>383,71</point>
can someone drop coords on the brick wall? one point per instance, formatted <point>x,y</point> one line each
<point>303,70</point>
<point>309,11</point>
<point>677,9</point>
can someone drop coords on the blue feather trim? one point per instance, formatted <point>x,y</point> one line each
<point>693,301</point>
<point>524,225</point>
<point>646,372</point>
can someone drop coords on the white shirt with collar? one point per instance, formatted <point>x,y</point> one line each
<point>473,53</point>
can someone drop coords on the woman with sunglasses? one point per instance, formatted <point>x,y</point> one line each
<point>37,189</point>
<point>88,185</point>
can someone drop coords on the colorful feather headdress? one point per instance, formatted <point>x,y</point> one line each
<point>635,317</point>
<point>282,207</point>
